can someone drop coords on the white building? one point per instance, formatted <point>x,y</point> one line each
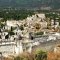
<point>51,38</point>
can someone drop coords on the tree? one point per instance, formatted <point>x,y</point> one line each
<point>11,33</point>
<point>7,36</point>
<point>37,26</point>
<point>21,27</point>
<point>48,23</point>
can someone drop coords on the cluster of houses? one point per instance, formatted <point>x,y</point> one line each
<point>18,36</point>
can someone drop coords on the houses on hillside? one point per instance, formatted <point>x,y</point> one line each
<point>19,36</point>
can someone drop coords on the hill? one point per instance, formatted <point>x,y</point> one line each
<point>54,4</point>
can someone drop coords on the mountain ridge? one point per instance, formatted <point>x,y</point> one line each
<point>55,4</point>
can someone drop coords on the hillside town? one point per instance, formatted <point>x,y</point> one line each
<point>26,35</point>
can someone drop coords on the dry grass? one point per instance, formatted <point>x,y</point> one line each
<point>28,56</point>
<point>53,56</point>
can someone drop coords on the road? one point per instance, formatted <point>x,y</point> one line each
<point>48,46</point>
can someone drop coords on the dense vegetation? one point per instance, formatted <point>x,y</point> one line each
<point>20,14</point>
<point>54,16</point>
<point>15,14</point>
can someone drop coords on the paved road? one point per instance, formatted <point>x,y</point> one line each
<point>48,46</point>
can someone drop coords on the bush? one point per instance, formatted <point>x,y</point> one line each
<point>2,25</point>
<point>21,27</point>
<point>11,33</point>
<point>41,55</point>
<point>39,33</point>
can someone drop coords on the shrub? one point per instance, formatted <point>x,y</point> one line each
<point>41,55</point>
<point>11,33</point>
<point>39,33</point>
<point>21,27</point>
